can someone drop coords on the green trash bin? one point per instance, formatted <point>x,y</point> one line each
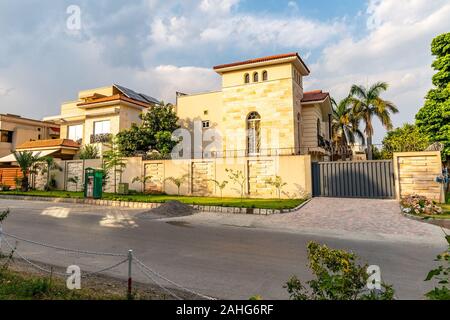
<point>93,183</point>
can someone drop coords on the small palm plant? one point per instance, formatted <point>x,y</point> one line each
<point>89,151</point>
<point>25,159</point>
<point>50,164</point>
<point>143,180</point>
<point>238,177</point>
<point>74,180</point>
<point>177,181</point>
<point>221,186</point>
<point>277,183</point>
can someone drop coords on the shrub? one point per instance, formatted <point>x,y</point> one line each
<point>442,275</point>
<point>420,205</point>
<point>89,151</point>
<point>337,277</point>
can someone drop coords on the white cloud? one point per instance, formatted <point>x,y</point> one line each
<point>217,6</point>
<point>152,46</point>
<point>396,49</point>
<point>248,32</point>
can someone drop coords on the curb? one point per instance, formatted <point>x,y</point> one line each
<point>444,223</point>
<point>150,205</point>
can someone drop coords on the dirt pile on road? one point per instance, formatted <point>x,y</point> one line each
<point>172,209</point>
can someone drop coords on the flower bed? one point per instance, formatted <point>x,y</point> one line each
<point>420,205</point>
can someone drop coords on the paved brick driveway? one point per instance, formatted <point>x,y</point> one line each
<point>347,218</point>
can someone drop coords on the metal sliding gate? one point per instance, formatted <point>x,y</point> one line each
<point>354,179</point>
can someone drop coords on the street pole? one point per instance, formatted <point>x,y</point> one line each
<point>130,281</point>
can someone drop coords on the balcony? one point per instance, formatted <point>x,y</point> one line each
<point>323,143</point>
<point>101,138</point>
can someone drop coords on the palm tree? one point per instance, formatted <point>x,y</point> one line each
<point>345,125</point>
<point>142,179</point>
<point>25,159</point>
<point>367,104</point>
<point>178,181</point>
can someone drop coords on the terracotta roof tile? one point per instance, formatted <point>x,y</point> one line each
<point>49,144</point>
<point>263,59</point>
<point>315,95</point>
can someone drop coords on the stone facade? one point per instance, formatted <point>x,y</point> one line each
<point>270,87</point>
<point>74,169</point>
<point>415,173</point>
<point>259,171</point>
<point>202,176</point>
<point>273,100</point>
<point>155,184</point>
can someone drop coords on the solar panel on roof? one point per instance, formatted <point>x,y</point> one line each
<point>148,98</point>
<point>136,96</point>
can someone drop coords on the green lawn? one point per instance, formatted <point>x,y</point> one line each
<point>446,208</point>
<point>160,198</point>
<point>21,286</point>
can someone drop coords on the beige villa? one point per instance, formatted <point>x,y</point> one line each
<point>97,114</point>
<point>261,109</point>
<point>16,130</point>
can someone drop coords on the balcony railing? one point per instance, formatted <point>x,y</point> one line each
<point>324,143</point>
<point>101,138</point>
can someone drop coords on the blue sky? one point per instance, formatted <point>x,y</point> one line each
<point>160,47</point>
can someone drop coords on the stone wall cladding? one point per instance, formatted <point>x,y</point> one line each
<point>74,169</point>
<point>156,172</point>
<point>202,176</point>
<point>259,172</point>
<point>273,100</point>
<point>416,173</point>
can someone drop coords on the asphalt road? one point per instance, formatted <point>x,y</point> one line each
<point>221,261</point>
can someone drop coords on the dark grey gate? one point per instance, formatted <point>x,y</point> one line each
<point>354,179</point>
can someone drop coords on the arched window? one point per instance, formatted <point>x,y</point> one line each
<point>247,78</point>
<point>253,133</point>
<point>265,75</point>
<point>255,77</point>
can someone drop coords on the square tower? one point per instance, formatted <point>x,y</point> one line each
<point>261,103</point>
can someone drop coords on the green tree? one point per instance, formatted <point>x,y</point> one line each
<point>433,119</point>
<point>178,182</point>
<point>238,177</point>
<point>277,183</point>
<point>407,138</point>
<point>221,185</point>
<point>50,164</point>
<point>154,133</point>
<point>25,159</point>
<point>74,180</point>
<point>89,151</point>
<point>337,276</point>
<point>113,160</point>
<point>345,126</point>
<point>368,104</point>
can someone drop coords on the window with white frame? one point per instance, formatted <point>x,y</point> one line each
<point>102,127</point>
<point>75,133</point>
